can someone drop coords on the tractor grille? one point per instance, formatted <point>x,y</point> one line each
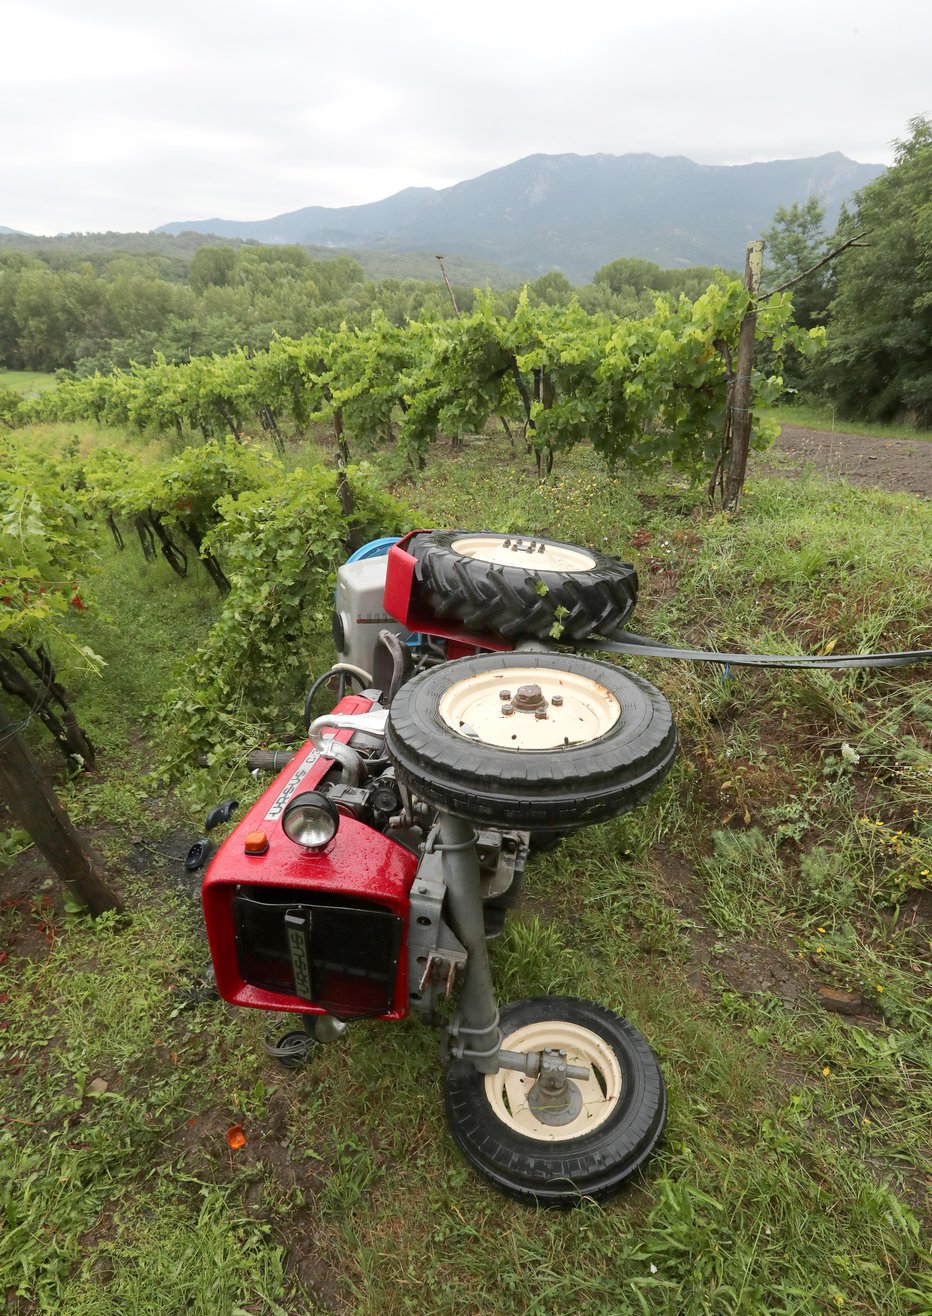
<point>338,954</point>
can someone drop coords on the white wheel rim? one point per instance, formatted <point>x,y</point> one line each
<point>507,1091</point>
<point>523,551</point>
<point>488,708</point>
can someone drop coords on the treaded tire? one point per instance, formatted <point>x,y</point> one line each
<point>589,1166</point>
<point>522,599</point>
<point>538,789</point>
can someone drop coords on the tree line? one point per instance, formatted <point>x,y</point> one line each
<point>73,306</point>
<point>83,306</point>
<point>875,301</point>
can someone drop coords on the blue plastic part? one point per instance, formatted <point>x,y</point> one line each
<point>375,548</point>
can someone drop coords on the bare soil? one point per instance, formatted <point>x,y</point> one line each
<point>899,465</point>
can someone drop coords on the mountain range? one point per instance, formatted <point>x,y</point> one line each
<point>573,212</point>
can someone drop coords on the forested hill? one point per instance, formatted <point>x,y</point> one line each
<point>574,212</point>
<point>174,253</point>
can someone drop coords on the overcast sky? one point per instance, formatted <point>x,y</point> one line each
<point>125,116</point>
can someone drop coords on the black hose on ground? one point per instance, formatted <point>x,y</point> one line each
<point>641,646</point>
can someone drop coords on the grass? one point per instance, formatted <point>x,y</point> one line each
<point>86,436</point>
<point>795,1173</point>
<point>821,416</point>
<point>27,382</point>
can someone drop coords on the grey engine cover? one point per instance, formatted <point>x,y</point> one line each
<point>360,613</point>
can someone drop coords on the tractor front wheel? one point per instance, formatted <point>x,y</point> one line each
<point>612,1122</point>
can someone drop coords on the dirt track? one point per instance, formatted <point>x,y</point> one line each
<point>902,465</point>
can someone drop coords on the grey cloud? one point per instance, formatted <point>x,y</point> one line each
<point>122,116</point>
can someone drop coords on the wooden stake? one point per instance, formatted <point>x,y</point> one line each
<point>344,492</point>
<point>741,398</point>
<point>35,807</point>
<point>443,271</point>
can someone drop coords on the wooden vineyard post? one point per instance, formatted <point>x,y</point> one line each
<point>443,271</point>
<point>741,398</point>
<point>344,492</point>
<point>35,807</point>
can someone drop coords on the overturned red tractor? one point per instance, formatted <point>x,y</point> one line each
<point>366,881</point>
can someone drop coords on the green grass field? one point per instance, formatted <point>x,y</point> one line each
<point>27,382</point>
<point>822,417</point>
<point>789,851</point>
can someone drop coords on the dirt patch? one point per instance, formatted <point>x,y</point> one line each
<point>899,465</point>
<point>268,1170</point>
<point>750,968</point>
<point>31,908</point>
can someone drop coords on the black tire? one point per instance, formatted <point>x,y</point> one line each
<point>585,1166</point>
<point>543,790</point>
<point>523,599</point>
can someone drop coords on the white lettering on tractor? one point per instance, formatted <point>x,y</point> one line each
<point>277,808</point>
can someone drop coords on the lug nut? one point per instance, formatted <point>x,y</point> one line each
<point>541,714</point>
<point>556,700</point>
<point>507,709</point>
<point>504,695</point>
<point>530,697</point>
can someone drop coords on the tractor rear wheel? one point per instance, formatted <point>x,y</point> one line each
<point>518,585</point>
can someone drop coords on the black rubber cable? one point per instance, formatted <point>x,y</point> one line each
<point>322,680</point>
<point>643,647</point>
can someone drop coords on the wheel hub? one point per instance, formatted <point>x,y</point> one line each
<point>554,1098</point>
<point>558,708</point>
<point>529,698</point>
<point>554,1107</point>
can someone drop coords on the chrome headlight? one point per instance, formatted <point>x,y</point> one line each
<point>310,820</point>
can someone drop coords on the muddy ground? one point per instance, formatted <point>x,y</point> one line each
<point>901,465</point>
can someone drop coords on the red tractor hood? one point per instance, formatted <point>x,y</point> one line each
<point>359,865</point>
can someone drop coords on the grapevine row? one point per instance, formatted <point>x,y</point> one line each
<point>269,539</point>
<point>641,391</point>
